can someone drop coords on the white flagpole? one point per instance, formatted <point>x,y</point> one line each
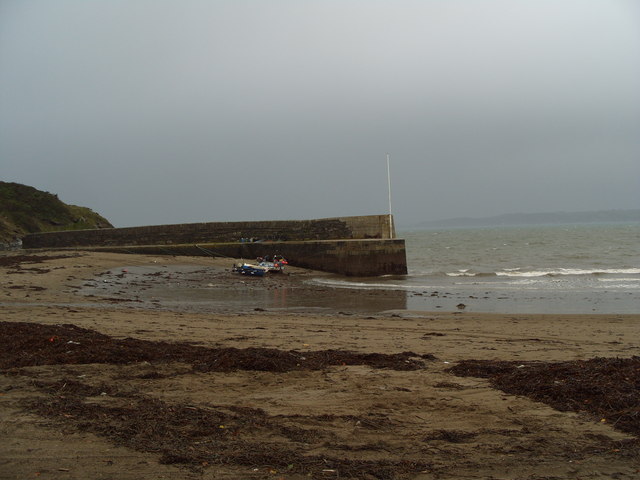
<point>389,189</point>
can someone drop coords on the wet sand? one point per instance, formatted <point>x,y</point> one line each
<point>382,422</point>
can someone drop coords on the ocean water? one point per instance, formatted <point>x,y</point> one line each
<point>592,268</point>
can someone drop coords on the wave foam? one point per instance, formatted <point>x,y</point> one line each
<point>623,279</point>
<point>471,274</point>
<point>568,271</point>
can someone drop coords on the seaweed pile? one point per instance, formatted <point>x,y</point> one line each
<point>200,437</point>
<point>16,260</point>
<point>26,344</point>
<point>608,389</point>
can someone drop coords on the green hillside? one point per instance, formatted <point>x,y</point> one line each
<point>25,209</point>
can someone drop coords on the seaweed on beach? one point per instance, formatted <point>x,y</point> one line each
<point>17,260</point>
<point>192,435</point>
<point>608,389</point>
<point>200,437</point>
<point>235,437</point>
<point>26,344</point>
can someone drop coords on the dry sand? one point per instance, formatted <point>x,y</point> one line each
<point>381,423</point>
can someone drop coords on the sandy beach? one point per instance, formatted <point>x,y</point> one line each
<point>345,413</point>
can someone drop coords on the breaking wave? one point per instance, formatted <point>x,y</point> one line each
<point>516,272</point>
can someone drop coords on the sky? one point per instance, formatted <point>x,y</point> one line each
<point>177,111</point>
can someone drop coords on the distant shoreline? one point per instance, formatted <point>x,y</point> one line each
<point>534,219</point>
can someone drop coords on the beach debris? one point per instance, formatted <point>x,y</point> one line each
<point>433,334</point>
<point>451,436</point>
<point>449,385</point>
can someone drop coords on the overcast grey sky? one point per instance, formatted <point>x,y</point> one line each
<point>171,111</point>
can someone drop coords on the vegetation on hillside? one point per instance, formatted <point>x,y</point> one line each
<point>25,209</point>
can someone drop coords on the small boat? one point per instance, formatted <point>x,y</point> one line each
<point>273,264</point>
<point>271,267</point>
<point>250,269</point>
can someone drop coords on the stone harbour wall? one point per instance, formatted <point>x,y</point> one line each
<point>353,246</point>
<point>364,227</point>
<point>357,258</point>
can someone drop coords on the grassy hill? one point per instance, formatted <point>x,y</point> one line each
<point>25,209</point>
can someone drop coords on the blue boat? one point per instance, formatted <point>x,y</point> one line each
<point>250,269</point>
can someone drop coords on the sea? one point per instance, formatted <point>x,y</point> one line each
<point>573,269</point>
